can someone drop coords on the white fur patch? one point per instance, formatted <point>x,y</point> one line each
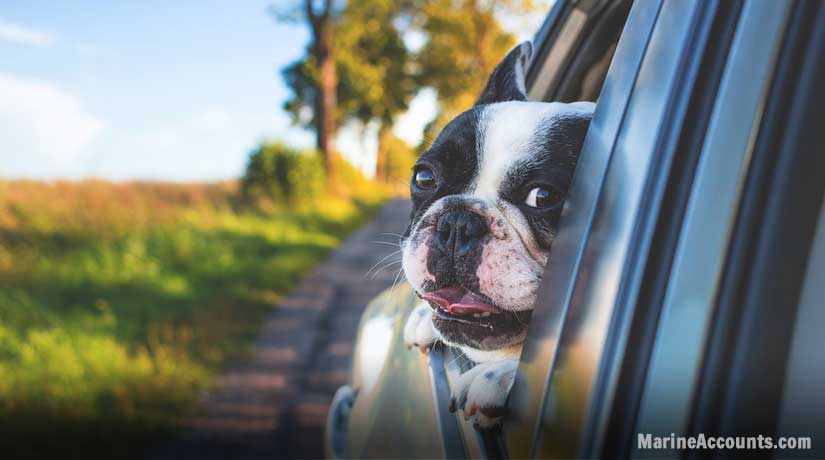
<point>485,388</point>
<point>414,259</point>
<point>509,129</point>
<point>419,330</point>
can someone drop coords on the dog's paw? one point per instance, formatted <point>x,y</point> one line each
<point>482,392</point>
<point>419,331</point>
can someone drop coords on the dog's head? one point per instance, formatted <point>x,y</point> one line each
<point>487,196</point>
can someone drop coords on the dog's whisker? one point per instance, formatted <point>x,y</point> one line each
<point>458,355</point>
<point>393,239</point>
<point>390,264</point>
<point>381,261</point>
<point>383,267</point>
<point>396,281</point>
<point>395,245</point>
<point>391,234</point>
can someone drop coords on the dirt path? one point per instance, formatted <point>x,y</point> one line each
<point>275,405</point>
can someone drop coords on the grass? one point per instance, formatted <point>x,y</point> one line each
<point>119,302</point>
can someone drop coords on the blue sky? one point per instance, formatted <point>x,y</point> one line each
<point>164,90</point>
<point>178,90</point>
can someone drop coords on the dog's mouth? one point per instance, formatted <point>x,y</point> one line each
<point>467,318</point>
<point>458,301</point>
<point>455,303</point>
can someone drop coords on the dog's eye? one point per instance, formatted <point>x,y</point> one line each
<point>540,197</point>
<point>425,179</point>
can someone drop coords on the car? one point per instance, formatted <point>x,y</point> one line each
<point>684,295</point>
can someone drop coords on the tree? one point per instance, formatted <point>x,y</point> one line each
<point>373,78</point>
<point>376,69</point>
<point>465,41</point>
<point>315,80</point>
<point>370,75</point>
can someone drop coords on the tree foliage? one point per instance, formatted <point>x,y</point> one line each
<point>374,64</point>
<point>465,41</point>
<point>377,75</point>
<point>373,68</point>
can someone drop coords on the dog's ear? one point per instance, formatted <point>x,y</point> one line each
<point>507,83</point>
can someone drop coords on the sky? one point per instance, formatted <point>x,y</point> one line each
<point>153,90</point>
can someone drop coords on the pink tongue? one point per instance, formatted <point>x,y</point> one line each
<point>458,301</point>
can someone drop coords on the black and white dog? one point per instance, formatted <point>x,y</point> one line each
<point>487,197</point>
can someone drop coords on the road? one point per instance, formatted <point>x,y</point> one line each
<point>274,405</point>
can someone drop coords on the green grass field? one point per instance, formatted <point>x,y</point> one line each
<point>118,302</point>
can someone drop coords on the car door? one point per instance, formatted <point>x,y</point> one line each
<point>677,268</point>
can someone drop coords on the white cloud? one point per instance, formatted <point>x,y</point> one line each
<point>18,33</point>
<point>44,130</point>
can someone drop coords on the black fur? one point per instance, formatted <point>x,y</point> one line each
<point>504,84</point>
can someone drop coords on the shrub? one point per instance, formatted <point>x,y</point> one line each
<point>278,174</point>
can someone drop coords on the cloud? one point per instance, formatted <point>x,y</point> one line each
<point>18,33</point>
<point>44,130</point>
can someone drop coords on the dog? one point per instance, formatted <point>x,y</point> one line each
<point>487,196</point>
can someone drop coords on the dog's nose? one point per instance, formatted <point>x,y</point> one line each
<point>459,232</point>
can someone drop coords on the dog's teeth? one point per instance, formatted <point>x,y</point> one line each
<point>485,314</point>
<point>476,315</point>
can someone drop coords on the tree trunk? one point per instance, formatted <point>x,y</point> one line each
<point>325,104</point>
<point>381,160</point>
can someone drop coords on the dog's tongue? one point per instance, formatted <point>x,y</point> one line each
<point>458,301</point>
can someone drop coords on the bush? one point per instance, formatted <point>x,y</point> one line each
<point>278,174</point>
<point>279,177</point>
